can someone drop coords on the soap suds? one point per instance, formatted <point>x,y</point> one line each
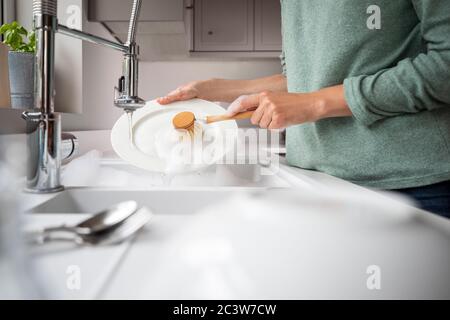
<point>181,148</point>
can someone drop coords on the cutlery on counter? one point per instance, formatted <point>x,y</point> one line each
<point>121,233</point>
<point>110,226</point>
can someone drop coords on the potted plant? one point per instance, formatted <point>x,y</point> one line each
<point>22,46</point>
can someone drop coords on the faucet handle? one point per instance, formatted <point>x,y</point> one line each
<point>121,85</point>
<point>119,89</point>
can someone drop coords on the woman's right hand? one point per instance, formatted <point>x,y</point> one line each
<point>189,91</point>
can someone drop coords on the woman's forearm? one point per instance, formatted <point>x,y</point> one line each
<point>225,90</point>
<point>230,90</point>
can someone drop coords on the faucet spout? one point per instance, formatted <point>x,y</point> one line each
<point>43,124</point>
<point>132,29</point>
<point>126,93</point>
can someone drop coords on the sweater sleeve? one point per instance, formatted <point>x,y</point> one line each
<point>414,84</point>
<point>283,63</point>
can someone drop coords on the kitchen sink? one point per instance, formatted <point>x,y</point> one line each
<point>94,184</point>
<point>94,172</point>
<point>168,201</point>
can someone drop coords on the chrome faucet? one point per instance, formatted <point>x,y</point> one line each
<point>43,124</point>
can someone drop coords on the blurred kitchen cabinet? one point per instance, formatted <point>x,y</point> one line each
<point>161,31</point>
<point>224,25</point>
<point>267,25</point>
<point>237,25</point>
<point>120,10</point>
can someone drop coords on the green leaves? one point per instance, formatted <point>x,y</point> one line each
<point>14,35</point>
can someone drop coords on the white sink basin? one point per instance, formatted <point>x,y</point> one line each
<point>92,170</point>
<point>94,183</point>
<point>76,201</point>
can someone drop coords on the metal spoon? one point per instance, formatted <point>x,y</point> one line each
<point>98,223</point>
<point>117,235</point>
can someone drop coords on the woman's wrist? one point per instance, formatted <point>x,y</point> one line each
<point>330,103</point>
<point>204,89</point>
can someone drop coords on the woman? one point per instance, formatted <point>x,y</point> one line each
<point>364,94</point>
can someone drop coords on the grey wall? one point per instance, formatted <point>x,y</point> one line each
<point>102,67</point>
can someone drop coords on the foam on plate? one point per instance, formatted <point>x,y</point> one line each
<point>180,147</point>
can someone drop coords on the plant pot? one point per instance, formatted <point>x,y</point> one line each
<point>21,77</point>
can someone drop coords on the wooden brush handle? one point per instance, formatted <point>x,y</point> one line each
<point>225,117</point>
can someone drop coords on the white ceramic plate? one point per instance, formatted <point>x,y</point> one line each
<point>154,139</point>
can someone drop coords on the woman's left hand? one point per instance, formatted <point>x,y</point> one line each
<point>278,110</point>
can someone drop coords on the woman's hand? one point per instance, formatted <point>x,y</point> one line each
<point>189,91</point>
<point>278,110</point>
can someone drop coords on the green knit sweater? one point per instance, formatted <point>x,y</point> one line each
<point>394,62</point>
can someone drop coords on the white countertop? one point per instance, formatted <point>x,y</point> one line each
<point>151,265</point>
